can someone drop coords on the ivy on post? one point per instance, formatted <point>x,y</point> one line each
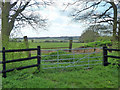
<point>27,45</point>
<point>105,58</point>
<point>4,64</point>
<point>39,57</point>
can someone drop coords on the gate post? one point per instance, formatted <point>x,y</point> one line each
<point>27,45</point>
<point>4,64</point>
<point>70,44</point>
<point>38,57</point>
<point>105,58</point>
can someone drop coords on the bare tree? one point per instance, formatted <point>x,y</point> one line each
<point>15,14</point>
<point>99,11</point>
<point>96,11</point>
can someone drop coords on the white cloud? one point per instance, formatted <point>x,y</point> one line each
<point>60,23</point>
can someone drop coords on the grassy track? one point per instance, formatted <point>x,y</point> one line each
<point>98,77</point>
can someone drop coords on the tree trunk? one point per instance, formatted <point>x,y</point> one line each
<point>7,26</point>
<point>4,33</point>
<point>119,39</point>
<point>119,51</point>
<point>115,21</point>
<point>114,24</point>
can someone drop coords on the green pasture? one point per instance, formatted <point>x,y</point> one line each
<point>52,45</point>
<point>16,45</point>
<point>76,77</point>
<point>98,77</point>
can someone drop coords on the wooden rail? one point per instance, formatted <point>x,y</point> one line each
<point>38,57</point>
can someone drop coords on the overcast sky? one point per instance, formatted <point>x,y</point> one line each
<point>59,23</point>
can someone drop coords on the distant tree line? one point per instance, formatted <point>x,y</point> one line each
<point>93,32</point>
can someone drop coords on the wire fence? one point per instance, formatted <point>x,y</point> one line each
<point>62,58</point>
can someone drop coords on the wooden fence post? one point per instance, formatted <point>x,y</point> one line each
<point>4,64</point>
<point>27,45</point>
<point>105,58</point>
<point>70,44</point>
<point>39,57</point>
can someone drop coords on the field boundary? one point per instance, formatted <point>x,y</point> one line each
<point>57,61</point>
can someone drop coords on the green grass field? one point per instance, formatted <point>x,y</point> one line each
<point>76,77</point>
<point>52,45</point>
<point>43,45</point>
<point>98,77</point>
<point>57,44</point>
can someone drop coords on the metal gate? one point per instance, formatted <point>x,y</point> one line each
<point>62,58</point>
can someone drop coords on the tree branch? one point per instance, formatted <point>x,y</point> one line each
<point>105,12</point>
<point>19,11</point>
<point>89,7</point>
<point>12,5</point>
